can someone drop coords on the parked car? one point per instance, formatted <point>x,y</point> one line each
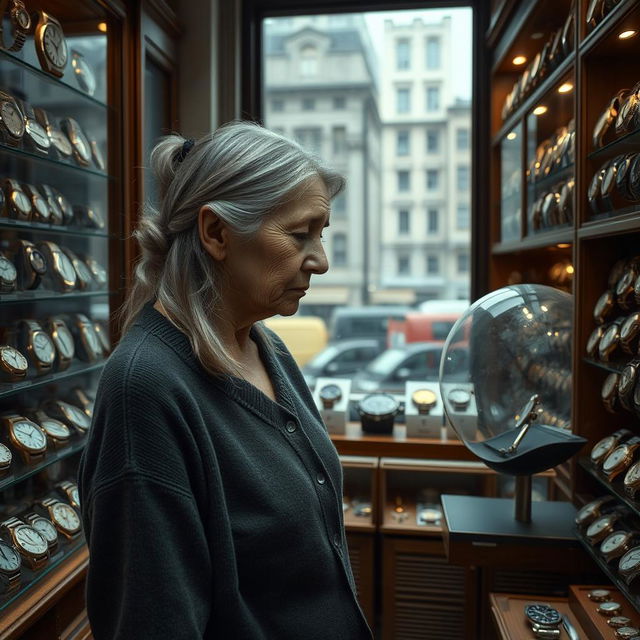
<point>420,327</point>
<point>341,359</point>
<point>364,322</point>
<point>305,336</point>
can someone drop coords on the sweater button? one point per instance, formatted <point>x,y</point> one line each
<point>337,540</point>
<point>291,426</point>
<point>320,478</point>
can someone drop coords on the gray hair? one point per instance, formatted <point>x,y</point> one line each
<point>244,172</point>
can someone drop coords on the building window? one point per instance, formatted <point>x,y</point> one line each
<point>402,143</point>
<point>403,99</point>
<point>432,179</point>
<point>433,141</point>
<point>404,266</point>
<point>403,52</point>
<point>339,102</point>
<point>462,178</point>
<point>432,220</point>
<point>463,263</point>
<point>339,250</point>
<point>462,139</point>
<point>339,139</point>
<point>277,105</point>
<point>462,217</point>
<point>310,138</point>
<point>308,61</point>
<point>308,104</point>
<point>433,53</point>
<point>404,223</point>
<point>433,265</point>
<point>433,98</point>
<point>403,181</point>
<point>339,205</point>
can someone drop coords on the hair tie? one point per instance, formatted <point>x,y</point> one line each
<point>186,147</point>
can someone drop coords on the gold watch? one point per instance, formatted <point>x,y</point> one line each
<point>17,201</point>
<point>594,341</point>
<point>627,384</point>
<point>599,529</point>
<point>84,279</point>
<point>594,510</point>
<point>620,458</point>
<point>59,140</point>
<point>40,209</point>
<point>20,21</point>
<point>605,446</point>
<point>26,437</point>
<point>65,207</point>
<point>79,397</point>
<point>80,145</point>
<point>63,340</point>
<point>64,517</point>
<point>6,458</point>
<point>88,217</point>
<point>630,332</point>
<point>609,392</point>
<point>9,567</point>
<point>31,544</point>
<point>45,528</point>
<point>71,415</point>
<point>11,120</point>
<point>609,341</point>
<point>51,45</point>
<point>616,544</point>
<point>70,491</point>
<point>98,272</point>
<point>37,345</point>
<point>424,400</point>
<point>8,275</point>
<point>30,264</point>
<point>629,565</point>
<point>13,365</point>
<point>57,216</point>
<point>62,274</point>
<point>35,136</point>
<point>603,308</point>
<point>57,432</point>
<point>632,480</point>
<point>88,347</point>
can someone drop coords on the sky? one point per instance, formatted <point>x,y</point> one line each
<point>461,25</point>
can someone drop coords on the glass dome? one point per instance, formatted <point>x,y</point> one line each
<point>505,379</point>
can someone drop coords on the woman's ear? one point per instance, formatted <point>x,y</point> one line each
<point>214,233</point>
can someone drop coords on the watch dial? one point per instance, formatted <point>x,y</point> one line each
<point>45,529</point>
<point>609,607</point>
<point>22,18</point>
<point>543,614</point>
<point>331,392</point>
<point>54,45</point>
<point>61,142</point>
<point>75,496</point>
<point>5,455</point>
<point>633,475</point>
<point>594,339</point>
<point>30,540</point>
<point>29,435</point>
<point>64,341</point>
<point>615,458</point>
<point>459,397</point>
<point>424,396</point>
<point>98,271</point>
<point>8,272</point>
<point>37,261</point>
<point>602,448</point>
<point>609,338</point>
<point>630,326</point>
<point>9,558</point>
<point>614,541</point>
<point>12,118</point>
<point>83,73</point>
<point>14,358</point>
<point>41,207</point>
<point>92,339</point>
<point>600,525</point>
<point>55,428</point>
<point>627,379</point>
<point>603,305</point>
<point>43,347</point>
<point>65,205</point>
<point>65,517</point>
<point>38,134</point>
<point>378,404</point>
<point>21,201</point>
<point>630,560</point>
<point>75,415</point>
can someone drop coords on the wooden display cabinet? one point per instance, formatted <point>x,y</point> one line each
<point>359,502</point>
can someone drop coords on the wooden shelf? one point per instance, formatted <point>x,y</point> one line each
<point>543,240</point>
<point>626,222</point>
<point>603,28</point>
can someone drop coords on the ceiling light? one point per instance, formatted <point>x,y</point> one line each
<point>512,135</point>
<point>539,110</point>
<point>565,88</point>
<point>518,60</point>
<point>563,245</point>
<point>627,34</point>
<point>102,26</point>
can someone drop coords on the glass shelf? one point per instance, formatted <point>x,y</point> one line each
<point>10,389</point>
<point>623,144</point>
<point>25,297</point>
<point>40,227</point>
<point>612,367</point>
<point>552,178</point>
<point>51,458</point>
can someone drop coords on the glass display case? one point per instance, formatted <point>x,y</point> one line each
<point>511,185</point>
<point>359,501</point>
<point>59,251</point>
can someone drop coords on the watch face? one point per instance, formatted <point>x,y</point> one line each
<point>609,608</point>
<point>92,339</point>
<point>616,458</point>
<point>594,339</point>
<point>378,404</point>
<point>602,448</point>
<point>331,392</point>
<point>9,558</point>
<point>543,614</point>
<point>54,45</point>
<point>632,478</point>
<point>66,269</point>
<point>610,385</point>
<point>8,273</point>
<point>14,359</point>
<point>30,540</point>
<point>22,18</point>
<point>614,541</point>
<point>37,261</point>
<point>43,347</point>
<point>83,73</point>
<point>460,398</point>
<point>61,142</point>
<point>75,415</point>
<point>98,271</point>
<point>609,340</point>
<point>630,560</point>
<point>600,525</point>
<point>12,118</point>
<point>603,306</point>
<point>75,496</point>
<point>41,206</point>
<point>21,201</point>
<point>37,133</point>
<point>617,622</point>
<point>627,379</point>
<point>630,327</point>
<point>424,397</point>
<point>64,341</point>
<point>29,435</point>
<point>65,205</point>
<point>55,428</point>
<point>65,517</point>
<point>5,455</point>
<point>45,529</point>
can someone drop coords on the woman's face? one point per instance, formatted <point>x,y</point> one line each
<point>269,273</point>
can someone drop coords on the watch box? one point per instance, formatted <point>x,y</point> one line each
<point>460,399</point>
<point>428,424</point>
<point>336,413</point>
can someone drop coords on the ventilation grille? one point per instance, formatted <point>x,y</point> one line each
<point>540,583</point>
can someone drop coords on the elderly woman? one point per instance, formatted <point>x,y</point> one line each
<point>211,492</point>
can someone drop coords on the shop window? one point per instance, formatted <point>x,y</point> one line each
<point>433,216</point>
<point>433,179</point>
<point>433,52</point>
<point>433,141</point>
<point>403,100</point>
<point>339,250</point>
<point>433,98</point>
<point>403,52</point>
<point>404,224</point>
<point>433,265</point>
<point>402,143</point>
<point>403,180</point>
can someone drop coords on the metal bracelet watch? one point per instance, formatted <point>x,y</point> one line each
<point>64,517</point>
<point>59,140</point>
<point>620,459</point>
<point>544,620</point>
<point>70,491</point>
<point>10,562</point>
<point>20,22</point>
<point>629,565</point>
<point>616,544</point>
<point>63,340</point>
<point>45,528</point>
<point>37,345</point>
<point>26,437</point>
<point>8,275</point>
<point>68,413</point>
<point>17,202</point>
<point>605,446</point>
<point>30,544</point>
<point>51,45</point>
<point>61,273</point>
<point>11,120</point>
<point>627,384</point>
<point>30,264</point>
<point>35,136</point>
<point>599,529</point>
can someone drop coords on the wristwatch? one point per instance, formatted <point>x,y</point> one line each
<point>31,544</point>
<point>103,336</point>
<point>545,621</point>
<point>594,341</point>
<point>97,156</point>
<point>630,332</point>
<point>632,480</point>
<point>6,458</point>
<point>633,180</point>
<point>37,345</point>
<point>26,437</point>
<point>70,491</point>
<point>63,340</point>
<point>424,400</point>
<point>620,459</point>
<point>69,414</point>
<point>609,392</point>
<point>377,412</point>
<point>627,383</point>
<point>593,193</point>
<point>617,622</point>
<point>84,279</point>
<point>622,176</point>
<point>599,595</point>
<point>79,143</point>
<point>17,201</point>
<point>568,34</point>
<point>627,633</point>
<point>565,204</point>
<point>459,399</point>
<point>609,341</point>
<point>594,510</point>
<point>78,397</point>
<point>56,215</point>
<point>35,135</point>
<point>11,120</point>
<point>45,528</point>
<point>329,395</point>
<point>88,217</point>
<point>30,264</point>
<point>13,365</point>
<point>40,209</point>
<point>57,432</point>
<point>51,45</point>
<point>61,272</point>
<point>98,272</point>
<point>9,567</point>
<point>608,118</point>
<point>629,565</point>
<point>8,275</point>
<point>625,288</point>
<point>88,347</point>
<point>63,516</point>
<point>599,529</point>
<point>605,446</point>
<point>65,206</point>
<point>604,307</point>
<point>83,73</point>
<point>20,23</point>
<point>616,544</point>
<point>609,609</point>
<point>59,140</point>
<point>627,113</point>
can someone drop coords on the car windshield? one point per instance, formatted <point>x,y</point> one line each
<point>386,361</point>
<point>323,358</point>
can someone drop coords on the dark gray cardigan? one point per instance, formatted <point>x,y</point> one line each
<point>211,511</point>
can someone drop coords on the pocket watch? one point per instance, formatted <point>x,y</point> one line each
<point>63,341</point>
<point>593,510</point>
<point>627,384</point>
<point>69,414</point>
<point>70,491</point>
<point>37,345</point>
<point>9,567</point>
<point>63,516</point>
<point>84,279</point>
<point>616,544</point>
<point>30,264</point>
<point>26,437</point>
<point>83,73</point>
<point>51,45</point>
<point>11,120</point>
<point>329,395</point>
<point>17,201</point>
<point>594,341</point>
<point>61,272</point>
<point>79,143</point>
<point>20,21</point>
<point>98,272</point>
<point>59,141</point>
<point>604,307</point>
<point>605,446</point>
<point>35,136</point>
<point>45,528</point>
<point>30,544</point>
<point>609,392</point>
<point>57,432</point>
<point>377,412</point>
<point>88,347</point>
<point>620,458</point>
<point>424,400</point>
<point>599,529</point>
<point>40,209</point>
<point>8,275</point>
<point>630,331</point>
<point>629,565</point>
<point>13,365</point>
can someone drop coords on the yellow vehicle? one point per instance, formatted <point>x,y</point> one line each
<point>305,336</point>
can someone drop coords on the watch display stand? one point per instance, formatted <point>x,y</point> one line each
<point>427,425</point>
<point>465,415</point>
<point>336,417</point>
